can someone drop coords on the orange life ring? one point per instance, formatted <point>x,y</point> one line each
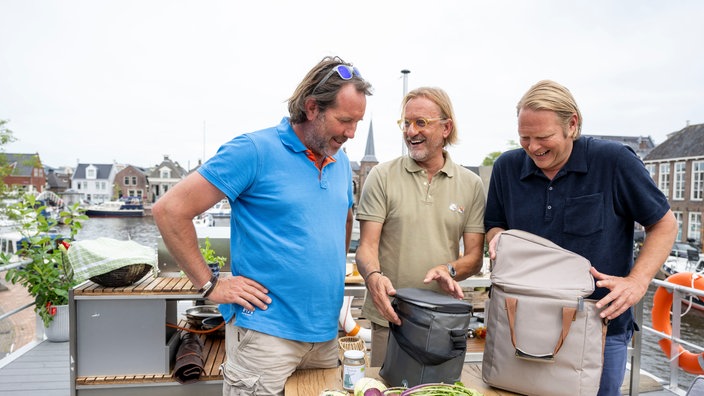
<point>662,301</point>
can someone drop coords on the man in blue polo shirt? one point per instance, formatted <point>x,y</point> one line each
<point>290,189</point>
<point>583,194</point>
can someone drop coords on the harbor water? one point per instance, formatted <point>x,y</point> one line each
<point>144,231</point>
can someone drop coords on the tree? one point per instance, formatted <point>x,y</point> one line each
<point>6,137</point>
<point>491,157</point>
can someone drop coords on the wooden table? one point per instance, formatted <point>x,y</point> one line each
<point>312,382</point>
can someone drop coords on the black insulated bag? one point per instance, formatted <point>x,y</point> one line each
<point>431,342</point>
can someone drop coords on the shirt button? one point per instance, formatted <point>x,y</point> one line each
<point>550,188</point>
<point>549,207</point>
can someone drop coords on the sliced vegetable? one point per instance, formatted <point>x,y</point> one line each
<point>456,389</point>
<point>333,392</point>
<point>397,390</point>
<point>366,383</point>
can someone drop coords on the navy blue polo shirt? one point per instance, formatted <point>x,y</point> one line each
<point>589,207</point>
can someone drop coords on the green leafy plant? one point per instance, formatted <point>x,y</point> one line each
<point>209,254</point>
<point>49,276</point>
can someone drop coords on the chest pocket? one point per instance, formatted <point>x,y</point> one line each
<point>584,215</point>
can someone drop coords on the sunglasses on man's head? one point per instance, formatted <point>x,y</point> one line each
<point>346,72</point>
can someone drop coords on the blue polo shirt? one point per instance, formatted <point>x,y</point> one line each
<point>288,227</point>
<point>589,207</point>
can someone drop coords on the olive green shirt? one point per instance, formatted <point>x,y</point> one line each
<point>423,222</point>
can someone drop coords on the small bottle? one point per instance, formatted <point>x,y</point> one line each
<point>353,366</point>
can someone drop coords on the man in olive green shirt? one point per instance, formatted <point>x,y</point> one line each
<point>414,211</point>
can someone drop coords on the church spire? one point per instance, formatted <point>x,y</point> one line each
<point>369,155</point>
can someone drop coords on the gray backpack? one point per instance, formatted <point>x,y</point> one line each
<point>431,342</point>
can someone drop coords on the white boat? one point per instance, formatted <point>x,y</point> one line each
<point>204,220</point>
<point>674,265</point>
<point>220,209</point>
<point>122,208</point>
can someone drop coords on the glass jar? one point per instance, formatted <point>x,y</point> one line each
<point>353,366</point>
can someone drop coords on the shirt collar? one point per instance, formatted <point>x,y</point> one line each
<point>288,136</point>
<point>576,163</point>
<point>412,166</point>
<point>292,142</point>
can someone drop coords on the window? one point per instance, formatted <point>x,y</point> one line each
<point>678,217</point>
<point>134,180</point>
<point>697,181</point>
<point>678,187</point>
<point>165,173</point>
<point>695,226</point>
<point>91,172</point>
<point>664,183</point>
<point>651,170</point>
<point>127,181</point>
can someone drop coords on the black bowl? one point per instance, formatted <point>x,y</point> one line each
<point>213,322</point>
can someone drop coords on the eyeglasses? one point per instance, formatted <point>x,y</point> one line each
<point>418,123</point>
<point>346,72</point>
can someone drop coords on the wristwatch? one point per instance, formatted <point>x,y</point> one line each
<point>452,271</point>
<point>208,287</point>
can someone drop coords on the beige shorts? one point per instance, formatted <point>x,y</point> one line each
<point>260,364</point>
<point>380,342</point>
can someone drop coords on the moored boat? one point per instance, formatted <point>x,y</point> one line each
<point>121,208</point>
<point>220,209</point>
<point>204,220</point>
<point>675,265</point>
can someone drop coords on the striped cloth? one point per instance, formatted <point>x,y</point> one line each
<point>94,257</point>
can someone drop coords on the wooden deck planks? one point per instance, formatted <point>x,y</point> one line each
<point>146,286</point>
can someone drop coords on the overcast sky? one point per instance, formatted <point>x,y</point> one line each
<point>131,81</point>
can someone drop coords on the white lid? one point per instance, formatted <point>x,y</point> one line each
<point>354,354</point>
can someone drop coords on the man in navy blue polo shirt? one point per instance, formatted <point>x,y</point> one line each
<point>583,194</point>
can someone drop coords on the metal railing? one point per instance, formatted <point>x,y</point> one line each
<point>19,309</point>
<point>678,293</point>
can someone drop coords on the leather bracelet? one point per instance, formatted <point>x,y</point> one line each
<point>372,273</point>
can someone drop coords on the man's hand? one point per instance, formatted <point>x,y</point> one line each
<point>441,275</point>
<point>380,288</point>
<point>242,291</point>
<point>625,292</point>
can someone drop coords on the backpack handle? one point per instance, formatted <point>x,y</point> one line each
<point>568,316</point>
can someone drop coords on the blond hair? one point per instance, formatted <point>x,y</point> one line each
<point>442,100</point>
<point>549,95</point>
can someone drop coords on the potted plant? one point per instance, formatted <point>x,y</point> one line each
<point>47,275</point>
<point>214,261</point>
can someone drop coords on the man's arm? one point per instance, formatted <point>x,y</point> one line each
<point>467,265</point>
<point>173,214</point>
<point>348,230</point>
<point>626,292</point>
<point>473,259</point>
<point>367,259</point>
<point>491,238</point>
